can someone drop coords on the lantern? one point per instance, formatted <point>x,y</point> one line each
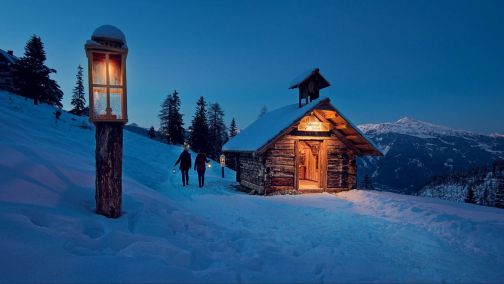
<point>106,53</point>
<point>209,165</point>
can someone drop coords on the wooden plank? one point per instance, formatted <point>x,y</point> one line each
<point>282,181</point>
<point>323,165</point>
<point>281,188</point>
<point>296,165</point>
<point>286,153</point>
<point>337,133</point>
<point>278,161</point>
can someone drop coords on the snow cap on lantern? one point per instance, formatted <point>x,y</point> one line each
<point>106,52</point>
<point>109,33</point>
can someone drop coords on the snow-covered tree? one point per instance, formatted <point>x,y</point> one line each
<point>471,196</point>
<point>233,129</point>
<point>499,194</point>
<point>31,75</point>
<point>217,134</point>
<point>198,139</point>
<point>78,96</point>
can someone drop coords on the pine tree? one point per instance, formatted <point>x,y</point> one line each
<point>78,96</point>
<point>264,110</point>
<point>175,121</point>
<point>199,128</point>
<point>164,119</point>
<point>31,75</point>
<point>152,132</point>
<point>233,129</point>
<point>217,135</point>
<point>368,184</point>
<point>499,194</point>
<point>471,196</point>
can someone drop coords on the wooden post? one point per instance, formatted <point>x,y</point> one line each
<point>109,143</point>
<point>222,171</point>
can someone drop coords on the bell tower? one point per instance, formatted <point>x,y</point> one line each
<point>309,84</point>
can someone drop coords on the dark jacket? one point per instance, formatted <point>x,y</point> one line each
<point>184,160</point>
<point>200,163</point>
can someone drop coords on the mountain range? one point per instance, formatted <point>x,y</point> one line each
<point>416,151</point>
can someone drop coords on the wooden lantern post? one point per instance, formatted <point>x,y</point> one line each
<point>106,53</point>
<point>222,163</point>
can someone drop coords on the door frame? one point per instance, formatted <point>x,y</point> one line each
<point>322,162</point>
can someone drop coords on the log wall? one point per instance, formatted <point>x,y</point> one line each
<point>275,171</point>
<point>341,167</point>
<point>280,163</point>
<point>250,172</point>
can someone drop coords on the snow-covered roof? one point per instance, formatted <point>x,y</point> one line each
<point>305,75</point>
<point>109,32</point>
<point>12,59</point>
<point>274,123</point>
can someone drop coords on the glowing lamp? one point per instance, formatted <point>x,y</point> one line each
<point>106,53</point>
<point>222,160</point>
<point>209,165</point>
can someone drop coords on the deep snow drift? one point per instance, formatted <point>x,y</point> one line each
<point>49,232</point>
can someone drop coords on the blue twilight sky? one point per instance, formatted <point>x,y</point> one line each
<point>438,61</point>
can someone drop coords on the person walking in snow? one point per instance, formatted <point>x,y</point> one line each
<point>200,167</point>
<point>185,164</point>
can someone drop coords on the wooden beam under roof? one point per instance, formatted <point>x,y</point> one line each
<point>329,114</point>
<point>338,134</point>
<point>341,126</point>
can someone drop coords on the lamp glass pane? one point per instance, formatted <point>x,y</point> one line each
<point>115,70</point>
<point>99,69</point>
<point>116,97</point>
<point>99,101</point>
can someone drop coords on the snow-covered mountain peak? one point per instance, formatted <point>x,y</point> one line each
<point>413,127</point>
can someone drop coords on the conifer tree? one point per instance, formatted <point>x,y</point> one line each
<point>78,96</point>
<point>233,129</point>
<point>217,135</point>
<point>31,75</point>
<point>499,194</point>
<point>199,128</point>
<point>471,196</point>
<point>152,132</point>
<point>175,121</point>
<point>164,115</point>
<point>368,184</point>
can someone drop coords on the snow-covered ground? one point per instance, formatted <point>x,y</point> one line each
<point>49,232</point>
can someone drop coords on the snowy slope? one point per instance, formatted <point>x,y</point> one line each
<point>484,181</point>
<point>416,151</point>
<point>49,232</point>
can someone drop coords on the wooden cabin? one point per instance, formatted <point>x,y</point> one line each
<point>299,148</point>
<point>7,61</point>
